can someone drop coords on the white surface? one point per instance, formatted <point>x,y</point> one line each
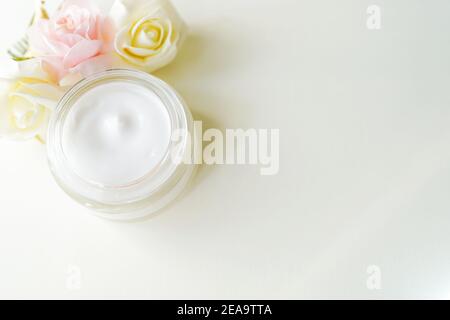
<point>365,166</point>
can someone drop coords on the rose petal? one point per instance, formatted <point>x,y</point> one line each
<point>5,127</point>
<point>133,42</point>
<point>22,116</point>
<point>139,52</point>
<point>86,4</point>
<point>106,29</point>
<point>53,66</point>
<point>70,79</point>
<point>47,94</point>
<point>32,68</point>
<point>71,39</point>
<point>122,12</point>
<point>91,32</point>
<point>40,101</point>
<point>87,68</point>
<point>82,51</point>
<point>41,41</point>
<point>94,65</point>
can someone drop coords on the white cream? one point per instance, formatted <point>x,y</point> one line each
<point>116,133</point>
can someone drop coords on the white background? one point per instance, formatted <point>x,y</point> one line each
<point>365,165</point>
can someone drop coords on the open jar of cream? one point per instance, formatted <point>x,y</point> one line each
<point>111,147</point>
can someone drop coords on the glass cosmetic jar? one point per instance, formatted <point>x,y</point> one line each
<point>115,144</point>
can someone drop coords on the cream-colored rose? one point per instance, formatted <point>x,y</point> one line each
<point>150,32</point>
<point>25,107</point>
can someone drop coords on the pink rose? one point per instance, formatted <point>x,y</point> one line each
<point>74,43</point>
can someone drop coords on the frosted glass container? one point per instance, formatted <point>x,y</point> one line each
<point>111,144</point>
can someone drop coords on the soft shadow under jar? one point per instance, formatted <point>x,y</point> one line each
<point>111,144</point>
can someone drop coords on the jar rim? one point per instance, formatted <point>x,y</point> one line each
<point>137,194</point>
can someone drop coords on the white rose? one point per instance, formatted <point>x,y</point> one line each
<point>25,107</point>
<point>150,32</point>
